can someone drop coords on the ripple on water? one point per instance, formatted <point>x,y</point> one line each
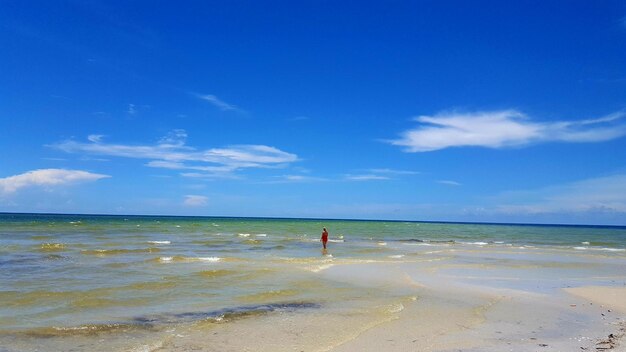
<point>105,252</point>
<point>52,247</point>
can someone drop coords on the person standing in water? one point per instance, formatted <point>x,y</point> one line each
<point>324,238</point>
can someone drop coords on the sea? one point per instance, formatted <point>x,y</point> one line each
<point>144,283</point>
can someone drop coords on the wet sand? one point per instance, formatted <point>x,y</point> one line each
<point>395,312</point>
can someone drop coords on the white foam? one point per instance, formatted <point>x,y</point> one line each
<point>166,259</point>
<point>396,308</point>
<point>382,243</point>
<point>478,243</point>
<point>612,249</point>
<point>159,242</point>
<point>210,259</point>
<point>417,244</point>
<point>601,249</point>
<point>243,235</point>
<point>319,268</point>
<point>261,235</point>
<point>586,243</point>
<point>396,256</point>
<point>608,249</point>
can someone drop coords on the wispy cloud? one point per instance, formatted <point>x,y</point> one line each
<point>393,172</point>
<point>297,179</point>
<point>606,194</point>
<point>448,183</point>
<point>46,178</point>
<point>195,200</point>
<point>132,110</point>
<point>299,118</point>
<point>217,102</point>
<point>378,174</point>
<point>505,128</point>
<point>366,177</point>
<point>171,152</point>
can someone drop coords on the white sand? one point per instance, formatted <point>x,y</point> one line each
<point>611,297</point>
<point>444,315</point>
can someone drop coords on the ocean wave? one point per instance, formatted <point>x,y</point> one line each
<point>151,285</point>
<point>159,242</point>
<point>478,243</point>
<point>104,252</point>
<point>222,315</point>
<point>267,295</point>
<point>52,247</point>
<point>216,273</point>
<point>153,322</point>
<point>182,259</point>
<point>605,249</point>
<point>418,244</point>
<point>395,308</point>
<point>318,268</point>
<point>82,330</point>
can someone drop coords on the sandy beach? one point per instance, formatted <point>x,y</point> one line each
<point>445,317</point>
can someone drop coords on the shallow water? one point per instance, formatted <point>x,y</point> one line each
<point>138,276</point>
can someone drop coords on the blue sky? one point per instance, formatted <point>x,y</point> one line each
<point>421,110</point>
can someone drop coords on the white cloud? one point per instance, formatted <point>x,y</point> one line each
<point>220,104</point>
<point>95,138</point>
<point>46,177</point>
<point>175,138</point>
<point>607,194</point>
<point>171,152</point>
<point>393,172</point>
<point>367,177</point>
<point>299,118</point>
<point>505,128</point>
<point>131,109</point>
<point>195,201</point>
<point>297,178</point>
<point>210,175</point>
<point>378,174</point>
<point>449,183</point>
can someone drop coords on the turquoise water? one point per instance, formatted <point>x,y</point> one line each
<point>73,273</point>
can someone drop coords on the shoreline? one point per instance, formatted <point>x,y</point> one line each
<point>400,314</point>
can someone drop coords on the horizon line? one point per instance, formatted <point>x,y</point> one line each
<point>324,219</point>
